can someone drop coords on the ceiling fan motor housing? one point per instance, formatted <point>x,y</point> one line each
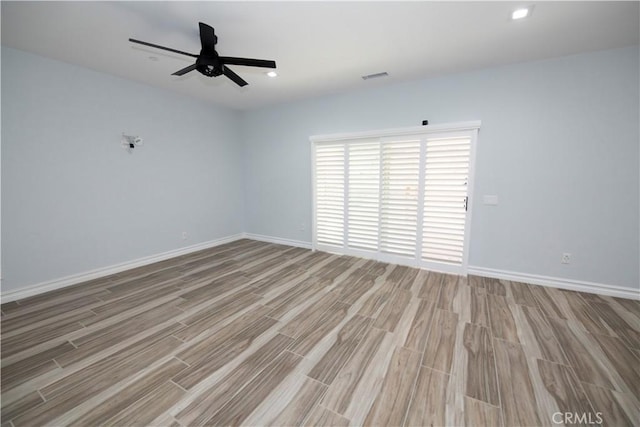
<point>209,66</point>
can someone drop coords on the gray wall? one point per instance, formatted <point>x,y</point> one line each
<point>73,200</point>
<point>559,145</point>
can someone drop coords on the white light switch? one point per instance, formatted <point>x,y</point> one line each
<point>490,200</point>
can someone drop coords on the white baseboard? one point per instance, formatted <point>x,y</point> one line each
<point>557,282</point>
<point>277,240</point>
<point>74,279</point>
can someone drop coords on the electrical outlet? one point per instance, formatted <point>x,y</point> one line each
<point>302,227</point>
<point>566,258</point>
<point>184,235</point>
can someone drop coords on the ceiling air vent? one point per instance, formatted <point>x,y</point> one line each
<point>375,76</point>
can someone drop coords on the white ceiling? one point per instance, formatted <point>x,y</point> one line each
<point>320,47</point>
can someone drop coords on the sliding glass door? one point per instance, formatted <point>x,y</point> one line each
<point>401,198</point>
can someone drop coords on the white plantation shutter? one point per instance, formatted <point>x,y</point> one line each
<point>445,199</point>
<point>363,195</point>
<point>399,197</point>
<point>330,173</point>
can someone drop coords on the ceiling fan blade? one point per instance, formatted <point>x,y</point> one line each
<point>185,70</point>
<point>163,48</point>
<point>208,38</point>
<point>233,76</point>
<point>248,62</point>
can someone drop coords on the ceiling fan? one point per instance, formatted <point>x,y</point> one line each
<point>209,63</point>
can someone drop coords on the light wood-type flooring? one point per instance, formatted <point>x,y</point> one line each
<point>252,333</point>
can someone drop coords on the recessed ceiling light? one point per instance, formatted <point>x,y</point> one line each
<point>520,13</point>
<point>272,74</point>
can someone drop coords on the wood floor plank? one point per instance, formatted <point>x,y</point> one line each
<point>355,389</point>
<point>346,280</point>
<point>521,294</point>
<point>438,352</point>
<point>342,392</point>
<point>352,293</point>
<point>33,366</point>
<point>480,414</point>
<point>376,301</point>
<point>215,288</point>
<point>8,307</point>
<point>402,277</point>
<point>633,306</point>
<point>210,401</point>
<point>78,387</point>
<point>321,416</point>
<point>257,269</point>
<point>130,326</point>
<point>21,406</point>
<point>310,337</point>
<point>519,404</point>
<point>335,268</point>
<point>535,334</point>
<point>91,353</point>
<point>149,407</point>
<point>503,325</point>
<point>217,312</point>
<point>616,409</point>
<point>15,344</point>
<point>579,351</point>
<point>479,312</point>
<point>494,286</point>
<point>291,405</point>
<point>141,284</point>
<point>283,304</point>
<point>120,404</point>
<point>393,401</point>
<point>115,307</point>
<point>235,411</point>
<point>548,303</point>
<point>481,380</point>
<point>376,268</point>
<point>275,281</point>
<point>586,315</point>
<point>302,322</point>
<point>408,281</point>
<point>429,403</point>
<point>21,319</point>
<point>314,259</point>
<point>211,354</point>
<point>420,326</point>
<point>392,312</point>
<point>623,329</point>
<point>430,287</point>
<point>448,292</point>
<point>347,339</point>
<point>624,362</point>
<point>561,385</point>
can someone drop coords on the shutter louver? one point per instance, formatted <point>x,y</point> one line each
<point>363,195</point>
<point>330,175</point>
<point>399,197</point>
<point>445,192</point>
